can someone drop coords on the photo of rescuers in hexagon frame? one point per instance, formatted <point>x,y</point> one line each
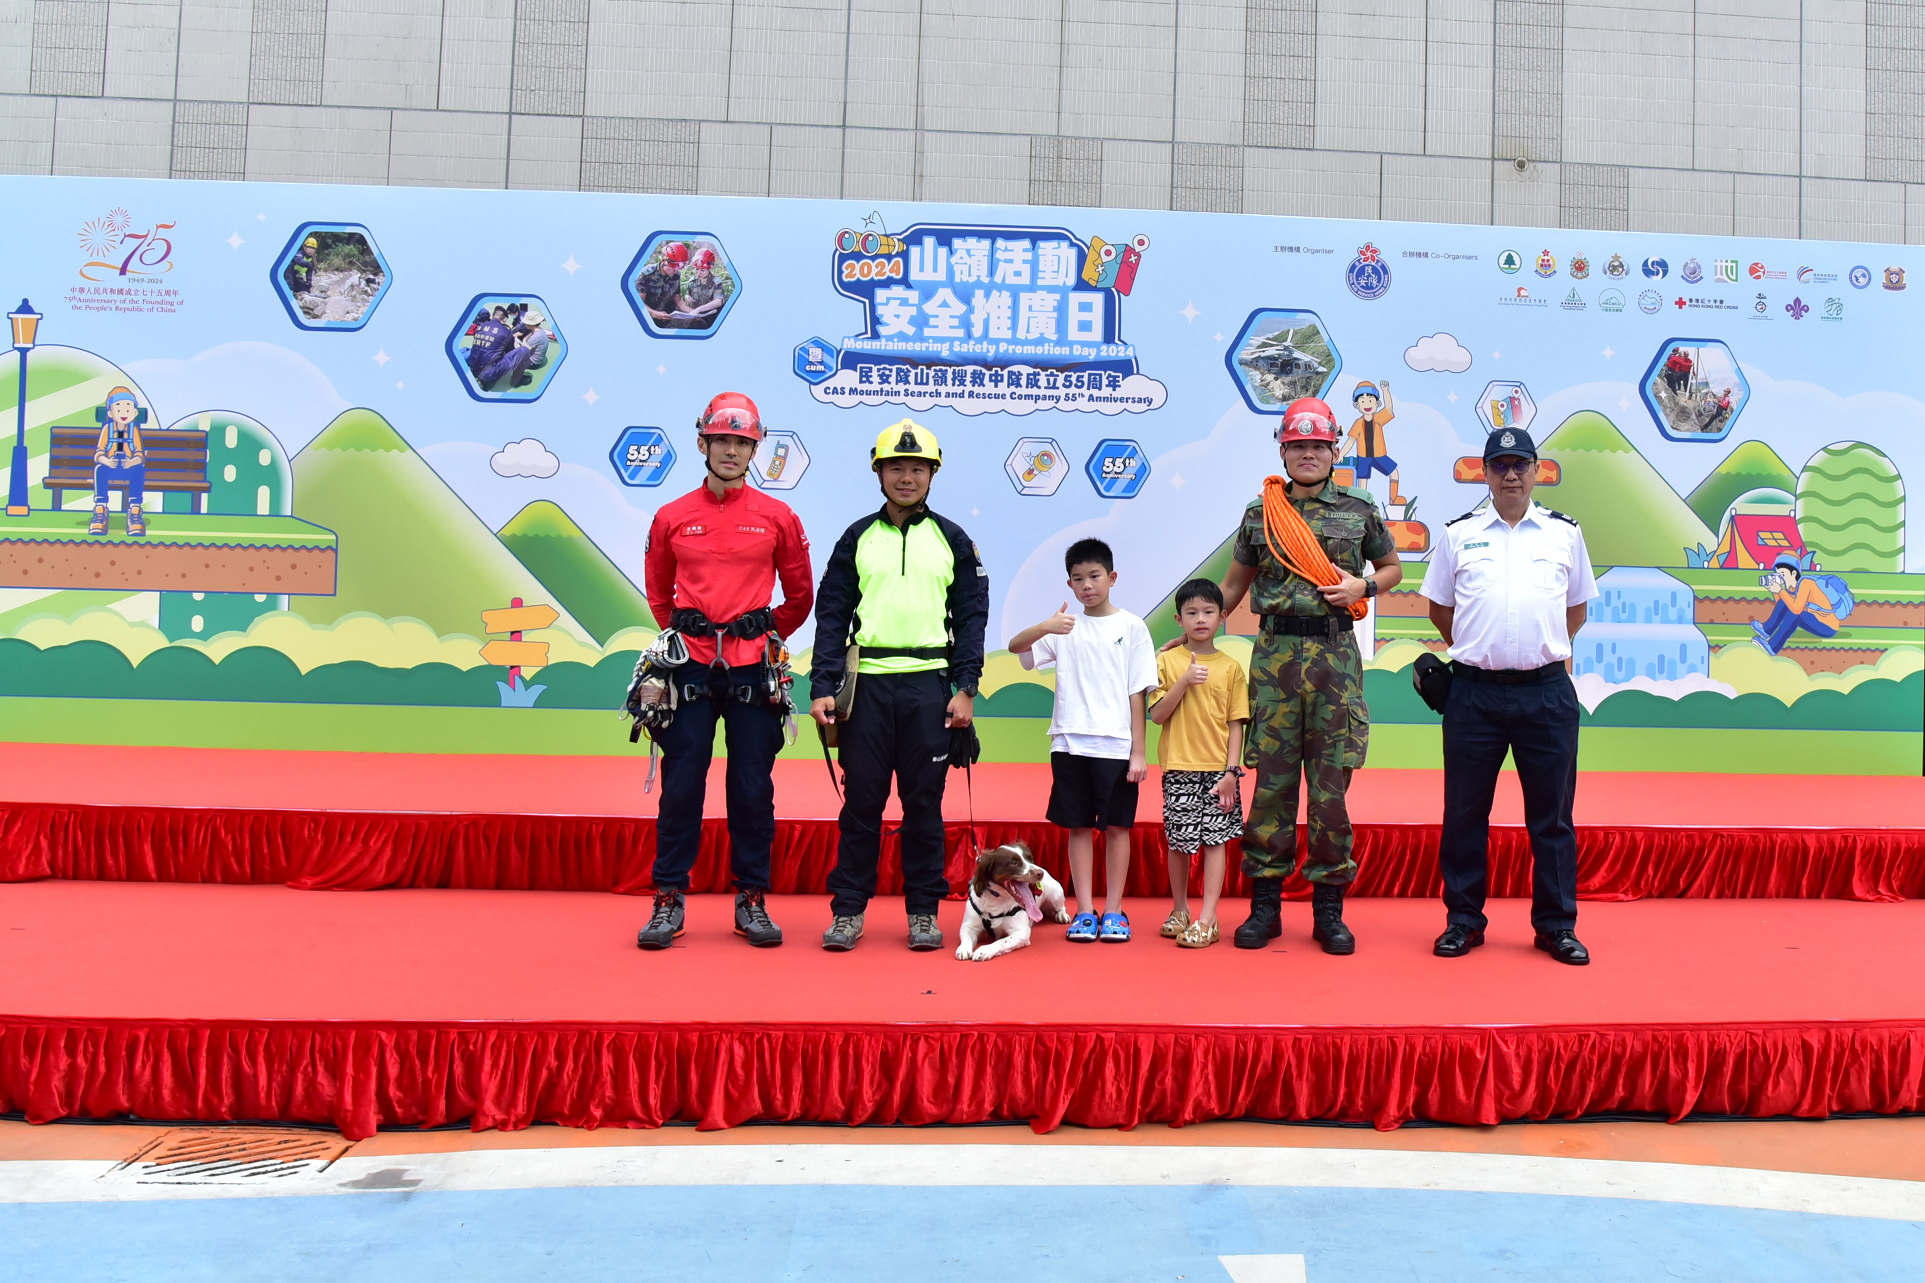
<point>683,284</point>
<point>509,348</point>
<point>1285,356</point>
<point>334,276</point>
<point>1697,389</point>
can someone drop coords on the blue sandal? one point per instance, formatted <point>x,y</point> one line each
<point>1116,928</point>
<point>1083,929</point>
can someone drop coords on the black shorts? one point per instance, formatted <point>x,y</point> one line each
<point>1090,792</point>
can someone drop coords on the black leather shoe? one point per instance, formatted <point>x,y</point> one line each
<point>1457,941</point>
<point>1564,946</point>
<point>1265,922</point>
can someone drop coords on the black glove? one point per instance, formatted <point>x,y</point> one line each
<point>1432,677</point>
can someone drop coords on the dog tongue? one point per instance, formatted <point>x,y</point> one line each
<point>1027,894</point>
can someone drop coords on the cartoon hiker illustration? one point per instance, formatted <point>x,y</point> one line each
<point>119,456</point>
<point>1806,599</point>
<point>300,273</point>
<point>1366,443</point>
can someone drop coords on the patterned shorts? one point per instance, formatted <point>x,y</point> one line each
<point>1192,819</point>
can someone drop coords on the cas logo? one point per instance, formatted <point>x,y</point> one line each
<point>1726,270</point>
<point>1615,269</point>
<point>1691,273</point>
<point>1546,263</point>
<point>1655,268</point>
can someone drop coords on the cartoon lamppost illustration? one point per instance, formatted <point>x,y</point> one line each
<point>26,323</point>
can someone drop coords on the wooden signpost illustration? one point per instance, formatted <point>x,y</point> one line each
<point>515,654</point>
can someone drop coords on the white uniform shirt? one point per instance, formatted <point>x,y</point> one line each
<point>1510,586</point>
<point>1099,663</point>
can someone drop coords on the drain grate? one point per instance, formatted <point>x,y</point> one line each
<point>228,1156</point>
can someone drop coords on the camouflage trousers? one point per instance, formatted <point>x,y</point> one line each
<point>1308,719</point>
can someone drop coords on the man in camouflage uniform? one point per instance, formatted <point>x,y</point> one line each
<point>1307,711</point>
<point>660,286</point>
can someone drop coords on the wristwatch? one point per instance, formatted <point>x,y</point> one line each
<point>1370,587</point>
<point>966,690</point>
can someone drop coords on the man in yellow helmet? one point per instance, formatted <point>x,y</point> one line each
<point>300,273</point>
<point>906,595</point>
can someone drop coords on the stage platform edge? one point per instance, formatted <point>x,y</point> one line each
<point>371,850</point>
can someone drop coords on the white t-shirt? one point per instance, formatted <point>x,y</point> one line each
<point>1099,664</point>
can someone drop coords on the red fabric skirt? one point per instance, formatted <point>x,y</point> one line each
<point>345,850</point>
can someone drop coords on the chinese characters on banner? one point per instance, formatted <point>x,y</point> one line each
<point>985,319</point>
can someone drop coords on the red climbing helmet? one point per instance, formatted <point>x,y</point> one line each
<point>1307,419</point>
<point>675,252</point>
<point>730,414</point>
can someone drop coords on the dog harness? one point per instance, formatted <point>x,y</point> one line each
<point>987,916</point>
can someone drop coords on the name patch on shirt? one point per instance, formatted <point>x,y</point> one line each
<point>694,528</point>
<point>1483,544</point>
<point>752,530</point>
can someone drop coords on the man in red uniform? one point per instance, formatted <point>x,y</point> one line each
<point>713,558</point>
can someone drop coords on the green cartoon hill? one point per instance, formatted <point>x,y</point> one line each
<point>1851,508</point>
<point>1631,516</point>
<point>578,575</point>
<point>1752,466</point>
<point>409,546</point>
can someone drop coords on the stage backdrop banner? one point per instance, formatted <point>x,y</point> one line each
<point>401,447</point>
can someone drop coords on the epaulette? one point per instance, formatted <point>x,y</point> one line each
<point>1561,516</point>
<point>1454,520</point>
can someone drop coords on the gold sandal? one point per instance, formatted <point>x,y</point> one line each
<point>1199,935</point>
<point>1173,926</point>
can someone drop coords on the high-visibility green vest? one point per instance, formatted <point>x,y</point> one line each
<point>904,576</point>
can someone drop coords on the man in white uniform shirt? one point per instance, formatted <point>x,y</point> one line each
<point>1508,586</point>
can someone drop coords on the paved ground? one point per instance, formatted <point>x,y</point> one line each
<point>1245,1203</point>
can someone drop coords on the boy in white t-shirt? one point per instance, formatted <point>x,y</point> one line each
<point>1105,667</point>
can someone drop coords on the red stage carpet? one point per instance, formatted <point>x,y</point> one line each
<point>361,821</point>
<point>509,1008</point>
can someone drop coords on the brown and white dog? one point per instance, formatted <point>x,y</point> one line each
<point>1008,893</point>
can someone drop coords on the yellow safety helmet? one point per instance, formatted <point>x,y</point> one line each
<point>906,440</point>
<point>312,242</point>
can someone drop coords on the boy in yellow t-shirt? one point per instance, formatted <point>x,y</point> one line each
<point>1202,702</point>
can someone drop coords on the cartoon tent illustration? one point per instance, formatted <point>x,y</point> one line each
<point>1759,527</point>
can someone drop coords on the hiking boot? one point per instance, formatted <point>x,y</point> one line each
<point>925,933</point>
<point>98,526</point>
<point>1265,922</point>
<point>843,933</point>
<point>665,923</point>
<point>136,521</point>
<point>752,920</point>
<point>1326,901</point>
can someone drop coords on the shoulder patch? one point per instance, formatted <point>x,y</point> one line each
<point>1553,512</point>
<point>1472,513</point>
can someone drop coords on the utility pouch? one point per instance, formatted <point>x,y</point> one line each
<point>1432,677</point>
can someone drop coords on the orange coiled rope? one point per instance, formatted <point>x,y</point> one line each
<point>1300,552</point>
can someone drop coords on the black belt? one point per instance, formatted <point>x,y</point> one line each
<point>1508,676</point>
<point>1308,625</point>
<point>905,652</point>
<point>691,622</point>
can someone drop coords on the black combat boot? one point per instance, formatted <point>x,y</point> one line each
<point>1326,901</point>
<point>665,924</point>
<point>752,920</point>
<point>1265,922</point>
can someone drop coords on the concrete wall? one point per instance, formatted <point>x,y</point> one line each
<point>1772,117</point>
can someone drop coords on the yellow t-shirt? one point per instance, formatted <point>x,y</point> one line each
<point>1197,738</point>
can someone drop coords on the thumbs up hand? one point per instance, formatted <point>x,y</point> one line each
<point>1059,623</point>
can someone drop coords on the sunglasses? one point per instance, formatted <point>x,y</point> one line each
<point>1512,466</point>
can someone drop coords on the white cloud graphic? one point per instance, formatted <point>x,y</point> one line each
<point>524,458</point>
<point>1138,393</point>
<point>1440,352</point>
